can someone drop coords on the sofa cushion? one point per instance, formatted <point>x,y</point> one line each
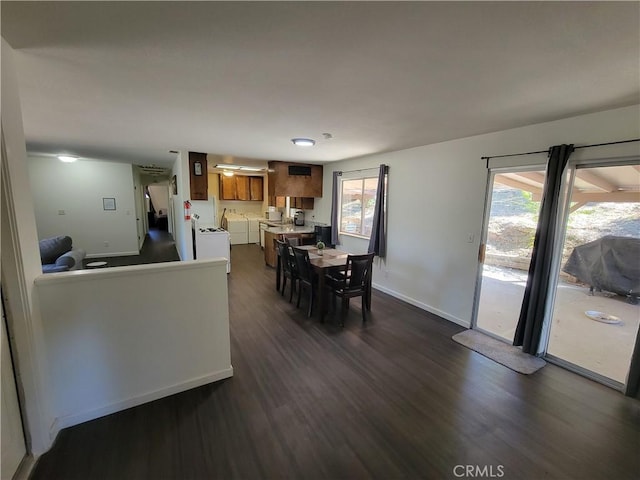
<point>52,248</point>
<point>53,268</point>
<point>72,259</point>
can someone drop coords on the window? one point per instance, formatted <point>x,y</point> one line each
<point>357,204</point>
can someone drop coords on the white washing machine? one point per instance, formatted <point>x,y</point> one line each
<point>238,228</point>
<point>211,242</point>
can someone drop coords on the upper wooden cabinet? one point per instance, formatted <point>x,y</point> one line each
<point>305,203</point>
<point>256,188</point>
<point>241,187</point>
<point>198,176</point>
<point>227,188</point>
<point>295,180</point>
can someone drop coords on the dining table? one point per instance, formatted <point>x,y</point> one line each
<point>330,258</point>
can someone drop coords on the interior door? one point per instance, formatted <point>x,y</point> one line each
<point>13,446</point>
<point>511,218</point>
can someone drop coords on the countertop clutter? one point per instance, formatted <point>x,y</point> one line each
<point>281,228</point>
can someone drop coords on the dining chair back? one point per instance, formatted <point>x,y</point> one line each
<point>288,271</point>
<point>305,276</point>
<point>354,281</point>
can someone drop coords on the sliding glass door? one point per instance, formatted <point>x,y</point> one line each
<point>595,313</point>
<point>510,225</point>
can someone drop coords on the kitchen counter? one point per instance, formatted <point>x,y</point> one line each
<point>305,233</point>
<point>280,229</point>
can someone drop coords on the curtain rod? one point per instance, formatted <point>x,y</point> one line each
<point>575,148</point>
<point>360,170</point>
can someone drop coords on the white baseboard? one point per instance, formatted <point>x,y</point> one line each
<point>111,254</point>
<point>81,417</point>
<point>423,306</point>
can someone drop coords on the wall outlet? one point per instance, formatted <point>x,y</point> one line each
<point>106,244</point>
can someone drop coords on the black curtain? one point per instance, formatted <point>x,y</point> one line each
<point>378,241</point>
<point>334,208</point>
<point>529,327</point>
<point>633,382</point>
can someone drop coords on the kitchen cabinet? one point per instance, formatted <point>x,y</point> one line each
<point>304,203</point>
<point>241,187</point>
<point>227,188</point>
<point>256,188</point>
<point>295,180</point>
<point>270,255</point>
<point>276,201</point>
<point>198,177</point>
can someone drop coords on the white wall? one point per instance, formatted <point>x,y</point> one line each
<point>21,263</point>
<point>182,234</point>
<point>77,189</point>
<point>436,196</point>
<point>113,342</point>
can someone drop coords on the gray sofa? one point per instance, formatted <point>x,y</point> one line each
<point>58,255</point>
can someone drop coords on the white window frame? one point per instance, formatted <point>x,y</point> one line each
<point>351,178</point>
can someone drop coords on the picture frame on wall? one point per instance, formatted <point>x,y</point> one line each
<point>108,203</point>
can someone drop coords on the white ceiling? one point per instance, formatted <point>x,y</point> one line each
<point>129,81</point>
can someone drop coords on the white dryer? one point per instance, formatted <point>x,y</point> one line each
<point>238,228</point>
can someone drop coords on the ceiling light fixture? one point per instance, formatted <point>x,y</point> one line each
<point>67,158</point>
<point>303,142</point>
<point>227,173</point>
<point>227,166</point>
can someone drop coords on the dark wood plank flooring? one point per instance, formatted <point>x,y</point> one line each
<point>396,398</point>
<point>158,246</point>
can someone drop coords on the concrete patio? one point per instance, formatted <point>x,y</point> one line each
<point>603,348</point>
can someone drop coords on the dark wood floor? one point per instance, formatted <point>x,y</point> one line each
<point>396,398</point>
<point>158,246</point>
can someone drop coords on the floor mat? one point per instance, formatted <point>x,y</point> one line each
<point>507,355</point>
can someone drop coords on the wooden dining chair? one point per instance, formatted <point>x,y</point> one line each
<point>288,267</point>
<point>354,281</point>
<point>306,277</point>
<point>292,241</point>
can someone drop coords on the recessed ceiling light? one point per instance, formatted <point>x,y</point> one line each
<point>67,158</point>
<point>303,142</point>
<point>227,173</point>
